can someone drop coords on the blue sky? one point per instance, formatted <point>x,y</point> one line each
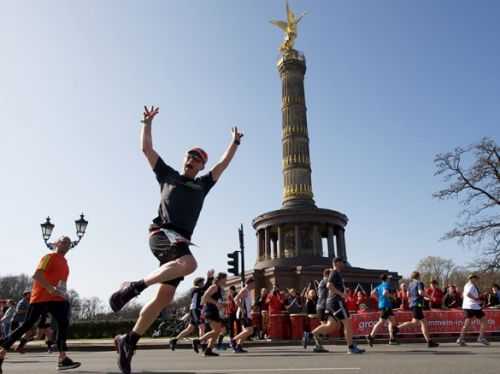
<point>389,84</point>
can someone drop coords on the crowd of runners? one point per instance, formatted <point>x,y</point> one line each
<point>181,199</point>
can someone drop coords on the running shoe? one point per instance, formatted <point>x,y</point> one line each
<point>125,352</point>
<point>239,349</point>
<point>432,344</point>
<point>483,340</point>
<point>232,344</point>
<point>461,342</point>
<point>210,353</point>
<point>196,345</point>
<point>393,342</point>
<point>67,364</point>
<point>173,344</point>
<point>355,350</point>
<point>305,340</point>
<point>20,348</point>
<point>370,339</point>
<point>121,297</point>
<point>319,349</point>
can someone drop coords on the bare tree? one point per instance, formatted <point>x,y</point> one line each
<point>438,268</point>
<point>13,286</point>
<point>90,308</point>
<point>478,187</point>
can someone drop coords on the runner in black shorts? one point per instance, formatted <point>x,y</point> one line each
<point>384,293</point>
<point>328,325</point>
<point>416,301</point>
<point>182,196</point>
<point>195,307</point>
<point>336,306</point>
<point>214,305</point>
<point>244,313</point>
<point>473,308</point>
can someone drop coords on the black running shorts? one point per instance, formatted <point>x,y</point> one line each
<point>474,313</point>
<point>418,313</point>
<point>336,308</point>
<point>386,313</point>
<point>194,318</point>
<point>246,322</point>
<point>323,317</point>
<point>212,313</point>
<point>166,251</point>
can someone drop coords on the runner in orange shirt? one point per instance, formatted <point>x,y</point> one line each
<point>48,295</point>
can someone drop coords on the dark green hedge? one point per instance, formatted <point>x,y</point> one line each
<point>103,329</point>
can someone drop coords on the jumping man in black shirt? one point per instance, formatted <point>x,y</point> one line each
<point>182,196</point>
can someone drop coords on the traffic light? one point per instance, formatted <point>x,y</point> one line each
<point>233,263</point>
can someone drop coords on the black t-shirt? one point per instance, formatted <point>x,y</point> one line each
<point>336,279</point>
<point>311,306</point>
<point>181,198</point>
<point>197,293</point>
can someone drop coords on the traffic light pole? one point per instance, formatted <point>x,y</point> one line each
<point>242,253</point>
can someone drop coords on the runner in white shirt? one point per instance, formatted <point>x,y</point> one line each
<point>473,309</point>
<point>244,314</point>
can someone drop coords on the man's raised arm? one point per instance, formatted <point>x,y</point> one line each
<point>146,137</point>
<point>219,168</point>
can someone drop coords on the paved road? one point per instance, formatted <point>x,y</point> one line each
<point>404,359</point>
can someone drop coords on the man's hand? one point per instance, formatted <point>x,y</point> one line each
<point>236,135</point>
<point>219,168</point>
<point>146,137</point>
<point>149,114</point>
<point>55,292</point>
<point>210,273</point>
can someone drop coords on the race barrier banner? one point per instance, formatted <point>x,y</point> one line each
<point>286,326</point>
<point>439,322</point>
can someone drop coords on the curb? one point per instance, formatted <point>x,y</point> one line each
<point>162,343</point>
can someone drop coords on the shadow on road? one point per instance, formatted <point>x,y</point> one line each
<point>423,352</point>
<point>143,372</point>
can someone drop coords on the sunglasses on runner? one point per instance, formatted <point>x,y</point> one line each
<point>195,156</point>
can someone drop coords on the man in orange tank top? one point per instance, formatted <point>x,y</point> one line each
<point>48,295</point>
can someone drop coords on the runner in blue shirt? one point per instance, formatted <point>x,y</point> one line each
<point>384,294</point>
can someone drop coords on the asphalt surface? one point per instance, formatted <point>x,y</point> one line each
<point>406,359</point>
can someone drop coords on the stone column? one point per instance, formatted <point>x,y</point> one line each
<point>281,244</point>
<point>342,239</point>
<point>266,245</point>
<point>260,246</point>
<point>318,248</point>
<point>331,247</point>
<point>297,185</point>
<point>297,240</point>
<point>275,248</point>
<point>341,243</point>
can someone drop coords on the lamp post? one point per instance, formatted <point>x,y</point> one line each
<point>48,227</point>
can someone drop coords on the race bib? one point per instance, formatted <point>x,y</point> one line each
<point>176,238</point>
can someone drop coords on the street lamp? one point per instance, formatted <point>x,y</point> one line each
<point>48,227</point>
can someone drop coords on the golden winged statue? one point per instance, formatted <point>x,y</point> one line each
<point>290,29</point>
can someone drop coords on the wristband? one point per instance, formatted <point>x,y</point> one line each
<point>237,142</point>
